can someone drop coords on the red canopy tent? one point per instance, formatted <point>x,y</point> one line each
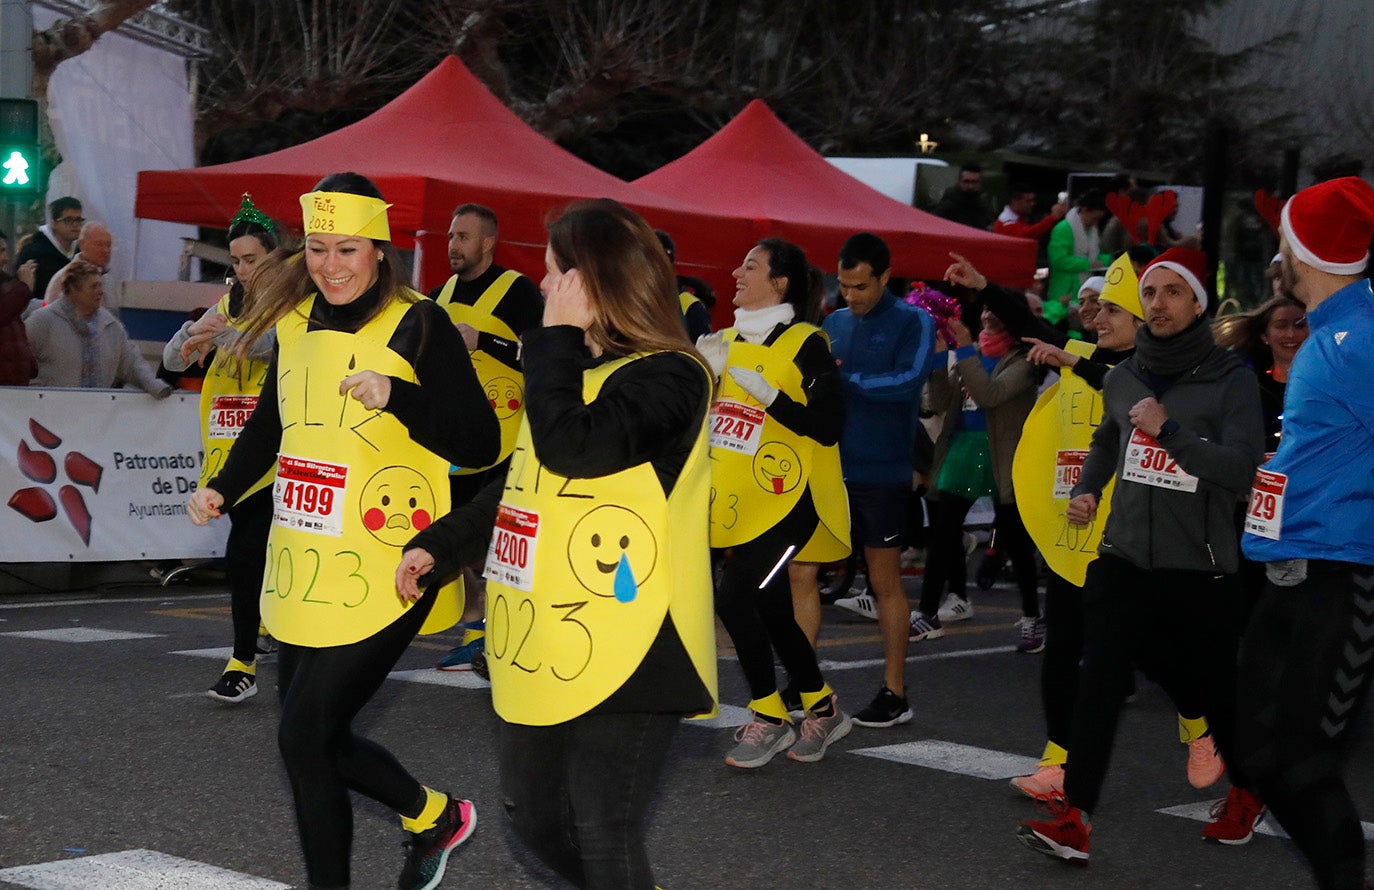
<point>445,141</point>
<point>756,167</point>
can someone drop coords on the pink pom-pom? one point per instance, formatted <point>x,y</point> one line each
<point>942,307</point>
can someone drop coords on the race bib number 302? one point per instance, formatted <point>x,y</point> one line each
<point>1149,464</point>
<point>1264,516</point>
<point>309,495</point>
<point>510,557</point>
<point>736,426</point>
<point>228,414</point>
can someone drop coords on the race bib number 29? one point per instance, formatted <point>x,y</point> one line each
<point>1264,516</point>
<point>309,495</point>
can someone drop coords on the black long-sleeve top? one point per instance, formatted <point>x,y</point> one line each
<point>1011,309</point>
<point>649,411</point>
<point>446,411</point>
<point>822,417</point>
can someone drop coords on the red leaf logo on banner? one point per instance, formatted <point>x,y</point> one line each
<point>37,505</point>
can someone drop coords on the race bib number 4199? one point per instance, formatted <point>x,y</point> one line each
<point>1149,464</point>
<point>1068,468</point>
<point>309,495</point>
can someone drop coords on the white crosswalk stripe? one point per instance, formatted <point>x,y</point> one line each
<point>79,635</point>
<point>133,870</point>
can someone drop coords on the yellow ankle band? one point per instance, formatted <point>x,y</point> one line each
<point>1054,755</point>
<point>809,699</point>
<point>771,706</point>
<point>1191,728</point>
<point>435,801</point>
<point>249,668</point>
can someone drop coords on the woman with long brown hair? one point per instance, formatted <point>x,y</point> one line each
<point>1267,337</point>
<point>600,628</point>
<point>368,398</point>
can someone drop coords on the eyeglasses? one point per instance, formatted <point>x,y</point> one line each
<point>71,219</point>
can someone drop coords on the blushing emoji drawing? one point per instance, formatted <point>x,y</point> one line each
<point>506,396</point>
<point>777,469</point>
<point>396,503</point>
<point>612,552</point>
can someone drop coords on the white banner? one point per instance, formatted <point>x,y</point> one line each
<point>100,475</point>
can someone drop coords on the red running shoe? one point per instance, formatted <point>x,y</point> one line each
<point>1234,818</point>
<point>1064,835</point>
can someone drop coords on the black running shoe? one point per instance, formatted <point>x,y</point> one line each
<point>427,852</point>
<point>234,687</point>
<point>888,709</point>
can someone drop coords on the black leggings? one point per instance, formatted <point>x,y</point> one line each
<point>1305,669</point>
<point>946,562</point>
<point>245,556</point>
<point>758,617</point>
<point>322,690</point>
<point>577,793</point>
<point>1194,646</point>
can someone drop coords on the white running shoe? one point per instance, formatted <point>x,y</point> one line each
<point>863,605</point>
<point>955,608</point>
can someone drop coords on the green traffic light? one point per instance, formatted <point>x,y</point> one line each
<point>21,170</point>
<point>16,168</point>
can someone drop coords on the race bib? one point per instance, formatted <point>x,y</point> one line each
<point>1149,464</point>
<point>510,557</point>
<point>736,426</point>
<point>228,414</point>
<point>1264,516</point>
<point>1068,468</point>
<point>969,403</point>
<point>309,495</point>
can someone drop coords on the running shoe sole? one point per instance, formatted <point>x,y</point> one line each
<point>904,717</point>
<point>1041,844</point>
<point>233,699</point>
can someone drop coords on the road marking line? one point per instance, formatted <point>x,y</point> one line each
<point>1202,812</point>
<point>114,601</point>
<point>730,716</point>
<point>222,652</point>
<point>432,677</point>
<point>133,870</point>
<point>829,665</point>
<point>79,635</point>
<point>952,757</point>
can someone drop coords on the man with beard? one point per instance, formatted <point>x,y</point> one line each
<point>1182,432</point>
<point>492,308</point>
<point>1308,653</point>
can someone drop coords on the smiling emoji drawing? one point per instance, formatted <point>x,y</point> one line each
<point>612,552</point>
<point>506,396</point>
<point>777,469</point>
<point>396,503</point>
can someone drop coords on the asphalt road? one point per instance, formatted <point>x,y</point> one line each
<point>109,746</point>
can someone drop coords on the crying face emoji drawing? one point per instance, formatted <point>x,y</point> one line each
<point>777,469</point>
<point>612,552</point>
<point>396,503</point>
<point>506,396</point>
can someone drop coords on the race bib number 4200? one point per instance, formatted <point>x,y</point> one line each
<point>1149,464</point>
<point>309,495</point>
<point>228,414</point>
<point>510,557</point>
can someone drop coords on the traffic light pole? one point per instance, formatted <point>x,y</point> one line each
<point>16,76</point>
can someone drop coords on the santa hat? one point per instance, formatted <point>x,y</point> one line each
<point>1095,284</point>
<point>1190,264</point>
<point>1121,286</point>
<point>1329,226</point>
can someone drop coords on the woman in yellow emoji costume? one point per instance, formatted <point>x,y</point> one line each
<point>600,632</point>
<point>368,399</point>
<point>777,493</point>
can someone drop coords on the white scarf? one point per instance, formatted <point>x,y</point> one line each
<point>1085,240</point>
<point>754,325</point>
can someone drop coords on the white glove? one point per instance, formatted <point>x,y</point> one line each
<point>715,350</point>
<point>753,383</point>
